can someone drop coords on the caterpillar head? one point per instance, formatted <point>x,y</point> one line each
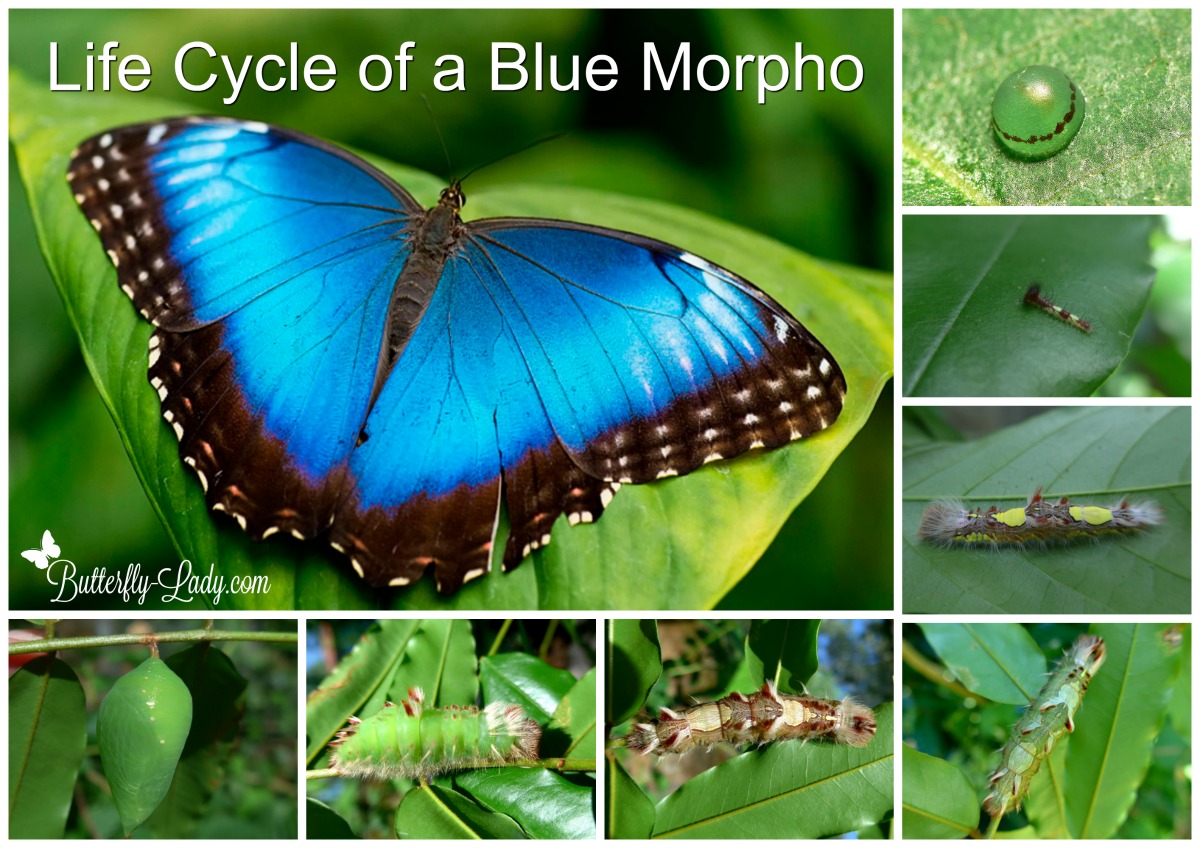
<point>1088,652</point>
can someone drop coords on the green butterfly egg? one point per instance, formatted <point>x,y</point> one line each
<point>1036,112</point>
<point>143,724</point>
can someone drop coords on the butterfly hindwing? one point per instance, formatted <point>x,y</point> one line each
<point>335,359</point>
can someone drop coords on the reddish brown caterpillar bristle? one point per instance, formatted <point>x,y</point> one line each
<point>1034,297</point>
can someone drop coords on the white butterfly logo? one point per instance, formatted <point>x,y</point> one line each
<point>49,550</point>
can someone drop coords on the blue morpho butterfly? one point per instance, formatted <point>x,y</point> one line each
<point>334,359</point>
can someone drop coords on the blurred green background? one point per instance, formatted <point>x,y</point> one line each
<point>812,169</point>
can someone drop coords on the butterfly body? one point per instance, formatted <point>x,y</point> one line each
<point>336,360</point>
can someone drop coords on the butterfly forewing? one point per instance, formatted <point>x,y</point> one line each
<point>332,357</point>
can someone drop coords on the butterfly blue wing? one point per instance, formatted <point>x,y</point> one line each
<point>556,362</point>
<point>267,261</point>
<point>332,357</point>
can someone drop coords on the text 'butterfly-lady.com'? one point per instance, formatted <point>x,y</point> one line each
<point>335,359</point>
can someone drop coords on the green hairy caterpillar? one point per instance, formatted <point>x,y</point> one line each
<point>412,740</point>
<point>1048,718</point>
<point>948,522</point>
<point>143,724</point>
<point>758,718</point>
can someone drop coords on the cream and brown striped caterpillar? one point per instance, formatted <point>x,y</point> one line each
<point>1040,521</point>
<point>1048,718</point>
<point>1034,297</point>
<point>412,740</point>
<point>758,718</point>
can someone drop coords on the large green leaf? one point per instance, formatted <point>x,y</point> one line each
<point>967,330</point>
<point>784,651</point>
<point>634,663</point>
<point>47,734</point>
<point>1089,454</point>
<point>787,791</point>
<point>432,812</point>
<point>521,679</point>
<point>1001,662</point>
<point>1132,65</point>
<point>572,729</point>
<point>630,813</point>
<point>696,537</point>
<point>939,803</point>
<point>1121,716</point>
<point>547,805</point>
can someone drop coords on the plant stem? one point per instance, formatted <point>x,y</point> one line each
<point>551,763</point>
<point>147,639</point>
<point>993,826</point>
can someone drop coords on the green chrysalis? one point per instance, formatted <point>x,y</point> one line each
<point>1036,112</point>
<point>142,727</point>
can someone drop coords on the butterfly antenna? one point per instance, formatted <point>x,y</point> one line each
<point>529,146</point>
<point>437,129</point>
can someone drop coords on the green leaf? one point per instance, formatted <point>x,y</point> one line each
<point>1001,662</point>
<point>324,823</point>
<point>783,651</point>
<point>787,791</point>
<point>630,810</point>
<point>431,812</point>
<point>521,679</point>
<point>574,718</point>
<point>1135,143</point>
<point>547,805</point>
<point>939,803</point>
<point>701,533</point>
<point>967,329</point>
<point>47,734</point>
<point>440,659</point>
<point>217,690</point>
<point>634,664</point>
<point>1090,454</point>
<point>1115,728</point>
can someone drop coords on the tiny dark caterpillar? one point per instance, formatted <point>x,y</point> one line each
<point>1039,521</point>
<point>758,718</point>
<point>414,741</point>
<point>1049,717</point>
<point>1034,297</point>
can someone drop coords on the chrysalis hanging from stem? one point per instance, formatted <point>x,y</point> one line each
<point>414,741</point>
<point>1050,716</point>
<point>1040,521</point>
<point>758,718</point>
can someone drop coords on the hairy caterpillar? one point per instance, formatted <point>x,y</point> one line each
<point>1034,297</point>
<point>760,717</point>
<point>414,741</point>
<point>948,522</point>
<point>1044,721</point>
